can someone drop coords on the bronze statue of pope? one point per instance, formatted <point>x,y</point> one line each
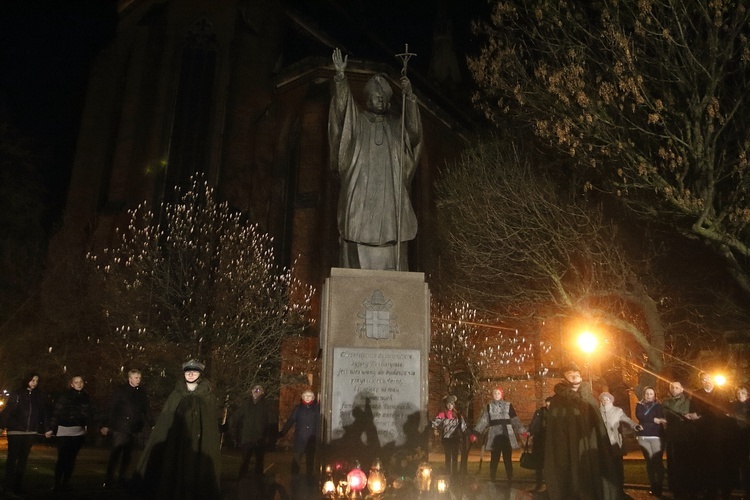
<point>375,155</point>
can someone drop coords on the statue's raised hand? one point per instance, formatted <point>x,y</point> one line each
<point>405,86</point>
<point>339,62</point>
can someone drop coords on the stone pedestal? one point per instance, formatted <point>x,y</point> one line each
<point>375,344</point>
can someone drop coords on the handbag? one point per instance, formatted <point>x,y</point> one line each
<point>528,459</point>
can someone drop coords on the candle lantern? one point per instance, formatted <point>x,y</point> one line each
<point>376,480</point>
<point>442,485</point>
<point>329,487</point>
<point>357,480</point>
<point>424,476</point>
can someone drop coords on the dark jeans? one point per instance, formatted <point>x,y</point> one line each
<point>257,448</point>
<point>501,446</point>
<point>122,451</point>
<point>19,446</point>
<point>67,452</point>
<point>309,452</point>
<point>450,447</point>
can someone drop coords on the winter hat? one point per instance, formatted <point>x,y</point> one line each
<point>571,367</point>
<point>451,399</point>
<point>607,395</point>
<point>193,366</point>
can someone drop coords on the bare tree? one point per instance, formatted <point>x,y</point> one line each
<point>468,350</point>
<point>197,280</point>
<point>522,248</point>
<point>647,97</point>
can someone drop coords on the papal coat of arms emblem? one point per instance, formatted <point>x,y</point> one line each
<point>378,320</point>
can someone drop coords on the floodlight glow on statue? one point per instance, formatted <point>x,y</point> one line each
<point>375,154</point>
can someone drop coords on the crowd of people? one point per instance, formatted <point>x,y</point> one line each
<point>577,440</point>
<point>578,445</point>
<point>181,458</point>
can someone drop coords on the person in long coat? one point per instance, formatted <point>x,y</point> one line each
<point>182,459</point>
<point>613,417</point>
<point>538,431</point>
<point>709,408</point>
<point>23,417</point>
<point>304,419</point>
<point>578,457</point>
<point>741,414</point>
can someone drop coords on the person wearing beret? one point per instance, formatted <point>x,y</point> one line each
<point>182,459</point>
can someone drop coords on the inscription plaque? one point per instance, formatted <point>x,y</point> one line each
<point>374,394</point>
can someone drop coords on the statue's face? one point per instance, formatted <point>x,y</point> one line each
<point>605,400</point>
<point>377,102</point>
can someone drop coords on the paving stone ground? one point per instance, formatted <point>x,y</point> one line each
<point>279,483</point>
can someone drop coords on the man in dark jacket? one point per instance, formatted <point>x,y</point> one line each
<point>251,426</point>
<point>129,412</point>
<point>578,458</point>
<point>538,430</point>
<point>23,417</point>
<point>680,443</point>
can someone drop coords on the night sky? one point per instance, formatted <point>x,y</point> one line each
<point>46,49</point>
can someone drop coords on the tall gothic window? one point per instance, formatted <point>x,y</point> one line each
<point>189,140</point>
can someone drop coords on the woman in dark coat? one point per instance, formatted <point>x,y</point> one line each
<point>69,423</point>
<point>23,417</point>
<point>182,459</point>
<point>650,417</point>
<point>304,418</point>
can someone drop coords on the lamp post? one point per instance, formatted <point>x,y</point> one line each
<point>587,342</point>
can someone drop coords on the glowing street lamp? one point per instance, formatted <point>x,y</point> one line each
<point>720,379</point>
<point>587,341</point>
